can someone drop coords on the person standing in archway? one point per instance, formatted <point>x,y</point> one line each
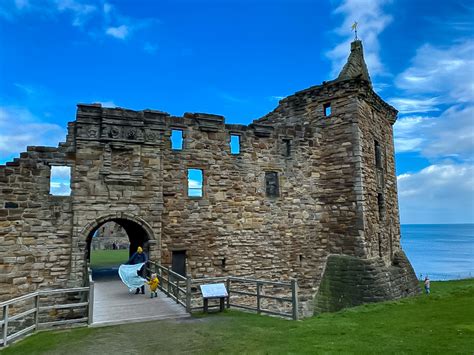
<point>139,257</point>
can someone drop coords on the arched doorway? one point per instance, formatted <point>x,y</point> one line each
<point>104,256</point>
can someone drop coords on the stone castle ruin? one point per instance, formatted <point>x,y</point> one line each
<point>310,194</point>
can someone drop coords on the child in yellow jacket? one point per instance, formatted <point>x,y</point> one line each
<point>153,283</point>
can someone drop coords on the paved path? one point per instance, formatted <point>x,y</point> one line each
<point>114,304</point>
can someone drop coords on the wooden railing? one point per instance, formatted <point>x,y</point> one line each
<point>31,305</point>
<point>260,296</point>
<point>172,284</point>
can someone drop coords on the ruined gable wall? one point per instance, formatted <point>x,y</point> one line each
<point>35,227</point>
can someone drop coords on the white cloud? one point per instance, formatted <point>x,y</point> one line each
<point>194,184</point>
<point>60,173</point>
<point>372,19</point>
<point>452,134</point>
<point>441,193</point>
<point>120,32</point>
<point>60,189</point>
<point>20,128</point>
<point>412,105</point>
<point>81,11</point>
<point>446,72</point>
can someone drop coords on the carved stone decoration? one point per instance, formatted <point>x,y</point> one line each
<point>272,186</point>
<point>114,132</point>
<point>151,136</point>
<point>92,132</point>
<point>132,134</point>
<point>122,160</point>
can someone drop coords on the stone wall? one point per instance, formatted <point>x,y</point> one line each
<point>305,185</point>
<point>350,281</point>
<point>35,227</point>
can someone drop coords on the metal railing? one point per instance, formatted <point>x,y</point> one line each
<point>24,324</point>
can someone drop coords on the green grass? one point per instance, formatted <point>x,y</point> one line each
<point>442,322</point>
<point>106,258</point>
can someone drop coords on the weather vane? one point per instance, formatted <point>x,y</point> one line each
<point>354,28</point>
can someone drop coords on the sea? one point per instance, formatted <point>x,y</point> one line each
<point>440,251</point>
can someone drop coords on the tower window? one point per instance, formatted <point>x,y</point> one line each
<point>176,139</point>
<point>195,182</point>
<point>378,155</point>
<point>381,204</point>
<point>234,144</point>
<point>60,182</point>
<point>287,147</point>
<point>327,109</point>
<point>272,186</point>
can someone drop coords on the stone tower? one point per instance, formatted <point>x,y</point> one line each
<point>310,194</point>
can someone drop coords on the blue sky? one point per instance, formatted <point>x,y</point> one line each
<point>238,58</point>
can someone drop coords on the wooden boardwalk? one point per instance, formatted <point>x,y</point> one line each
<point>114,304</point>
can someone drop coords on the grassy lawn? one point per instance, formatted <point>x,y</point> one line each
<point>440,323</point>
<point>106,258</point>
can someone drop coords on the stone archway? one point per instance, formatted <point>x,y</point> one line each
<point>138,231</point>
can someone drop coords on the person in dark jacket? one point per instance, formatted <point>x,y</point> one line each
<point>139,257</point>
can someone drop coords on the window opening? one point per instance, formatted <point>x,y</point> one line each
<point>176,139</point>
<point>327,109</point>
<point>287,147</point>
<point>380,245</point>
<point>195,182</point>
<point>381,202</point>
<point>60,182</point>
<point>272,186</point>
<point>234,144</point>
<point>378,155</point>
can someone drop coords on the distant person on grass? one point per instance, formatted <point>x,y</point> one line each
<point>139,257</point>
<point>427,285</point>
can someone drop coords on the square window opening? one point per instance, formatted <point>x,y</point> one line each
<point>195,183</point>
<point>327,109</point>
<point>176,139</point>
<point>60,181</point>
<point>234,144</point>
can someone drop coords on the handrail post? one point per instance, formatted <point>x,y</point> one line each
<point>188,294</point>
<point>5,324</point>
<point>90,307</point>
<point>294,298</point>
<point>228,291</point>
<point>258,297</point>
<point>169,280</point>
<point>37,303</point>
<point>176,291</point>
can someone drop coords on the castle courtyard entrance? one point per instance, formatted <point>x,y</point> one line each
<point>111,243</point>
